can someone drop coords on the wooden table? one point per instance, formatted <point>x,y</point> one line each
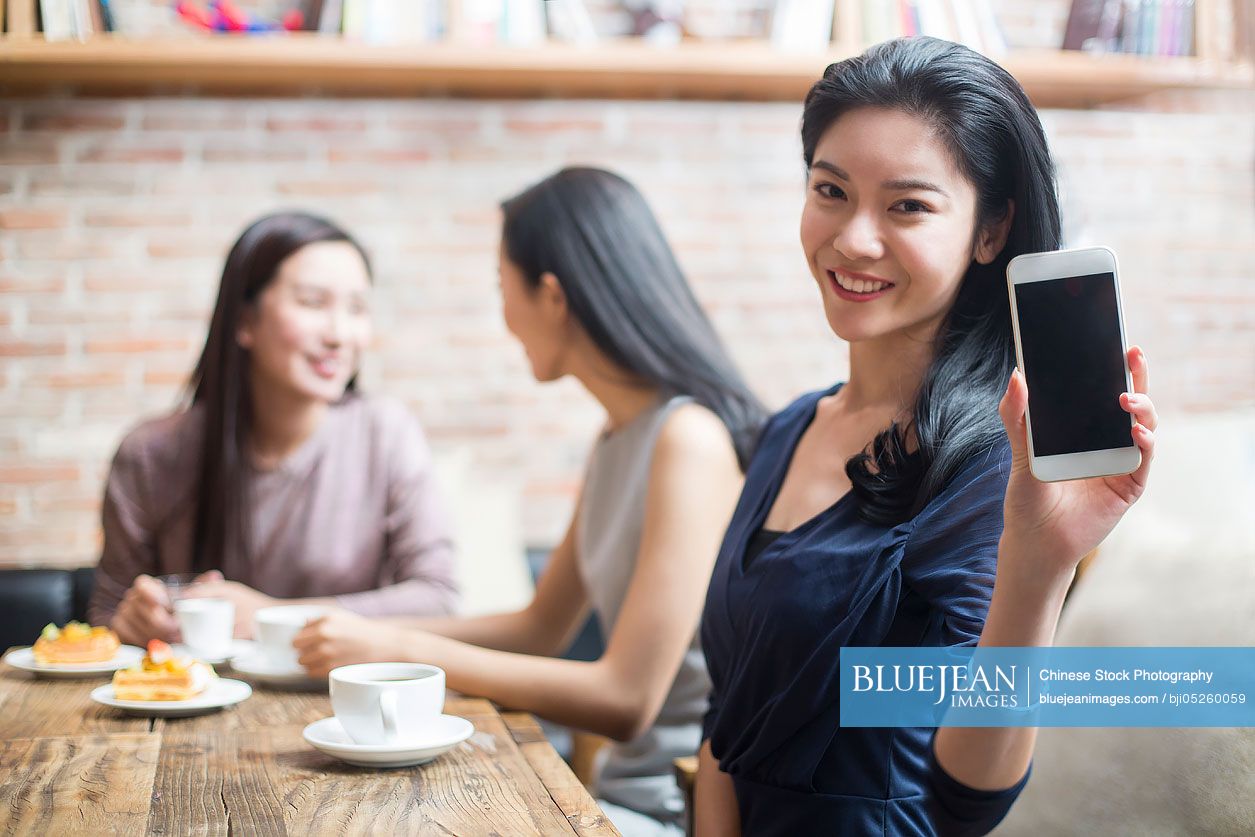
<point>71,766</point>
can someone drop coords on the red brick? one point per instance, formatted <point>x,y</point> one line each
<point>196,119</point>
<point>27,153</point>
<point>135,345</point>
<point>116,282</point>
<point>315,124</point>
<point>553,126</point>
<point>166,377</point>
<point>31,284</point>
<point>131,154</point>
<point>27,474</point>
<point>136,218</point>
<point>450,127</point>
<point>381,156</point>
<point>254,155</point>
<point>63,315</point>
<point>80,184</point>
<point>72,120</point>
<point>32,219</point>
<point>77,380</point>
<point>316,188</point>
<point>87,504</point>
<point>30,348</point>
<point>75,250</point>
<point>25,543</point>
<point>183,247</point>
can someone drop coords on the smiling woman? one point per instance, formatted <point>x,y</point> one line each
<point>880,511</point>
<point>280,480</point>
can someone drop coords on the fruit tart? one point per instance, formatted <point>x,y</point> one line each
<point>75,643</point>
<point>161,675</point>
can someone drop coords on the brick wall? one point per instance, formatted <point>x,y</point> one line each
<point>115,216</point>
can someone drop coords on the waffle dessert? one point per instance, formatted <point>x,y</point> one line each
<point>75,643</point>
<point>160,675</point>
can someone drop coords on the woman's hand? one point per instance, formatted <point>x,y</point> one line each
<point>1054,524</point>
<point>247,601</point>
<point>342,638</point>
<point>144,614</point>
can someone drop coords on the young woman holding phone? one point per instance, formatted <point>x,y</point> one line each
<point>897,508</point>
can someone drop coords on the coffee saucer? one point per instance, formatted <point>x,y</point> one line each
<point>256,666</point>
<point>445,732</point>
<point>239,648</point>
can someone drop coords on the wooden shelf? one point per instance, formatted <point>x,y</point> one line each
<point>301,64</point>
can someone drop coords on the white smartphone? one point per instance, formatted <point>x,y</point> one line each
<point>1070,346</point>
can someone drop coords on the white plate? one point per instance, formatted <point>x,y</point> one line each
<point>239,647</point>
<point>219,694</point>
<point>255,666</point>
<point>24,658</point>
<point>447,731</point>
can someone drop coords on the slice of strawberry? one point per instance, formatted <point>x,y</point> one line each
<point>159,651</point>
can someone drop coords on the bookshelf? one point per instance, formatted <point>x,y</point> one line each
<point>301,63</point>
<point>805,36</point>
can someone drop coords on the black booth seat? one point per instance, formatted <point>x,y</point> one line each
<point>30,599</point>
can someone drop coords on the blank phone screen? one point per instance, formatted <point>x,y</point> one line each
<point>1073,363</point>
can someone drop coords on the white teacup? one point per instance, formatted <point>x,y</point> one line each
<point>207,625</point>
<point>276,627</point>
<point>387,703</point>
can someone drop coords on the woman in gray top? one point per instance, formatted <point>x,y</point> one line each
<point>280,480</point>
<point>591,289</point>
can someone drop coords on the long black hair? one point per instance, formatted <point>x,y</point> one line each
<point>595,232</point>
<point>220,383</point>
<point>992,132</point>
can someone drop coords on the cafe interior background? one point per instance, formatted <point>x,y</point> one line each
<point>124,179</point>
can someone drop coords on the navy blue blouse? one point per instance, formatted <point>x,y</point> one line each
<point>773,628</point>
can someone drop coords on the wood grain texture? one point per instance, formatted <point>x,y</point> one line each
<point>269,781</point>
<point>301,62</point>
<point>68,766</point>
<point>31,707</point>
<point>567,792</point>
<point>88,784</point>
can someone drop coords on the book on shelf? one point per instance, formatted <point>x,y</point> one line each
<point>802,25</point>
<point>1219,30</point>
<point>330,17</point>
<point>858,23</point>
<point>569,20</point>
<point>56,20</point>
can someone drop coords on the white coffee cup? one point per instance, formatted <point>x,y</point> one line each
<point>276,627</point>
<point>387,703</point>
<point>207,625</point>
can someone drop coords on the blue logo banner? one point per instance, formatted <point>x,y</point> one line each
<point>1048,687</point>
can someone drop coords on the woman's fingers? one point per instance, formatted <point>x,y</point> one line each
<point>1142,408</point>
<point>1138,368</point>
<point>1012,409</point>
<point>1139,404</point>
<point>150,591</point>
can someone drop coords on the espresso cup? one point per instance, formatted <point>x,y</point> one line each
<point>387,703</point>
<point>276,627</point>
<point>207,625</point>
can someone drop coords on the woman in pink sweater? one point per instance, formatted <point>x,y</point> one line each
<point>279,481</point>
